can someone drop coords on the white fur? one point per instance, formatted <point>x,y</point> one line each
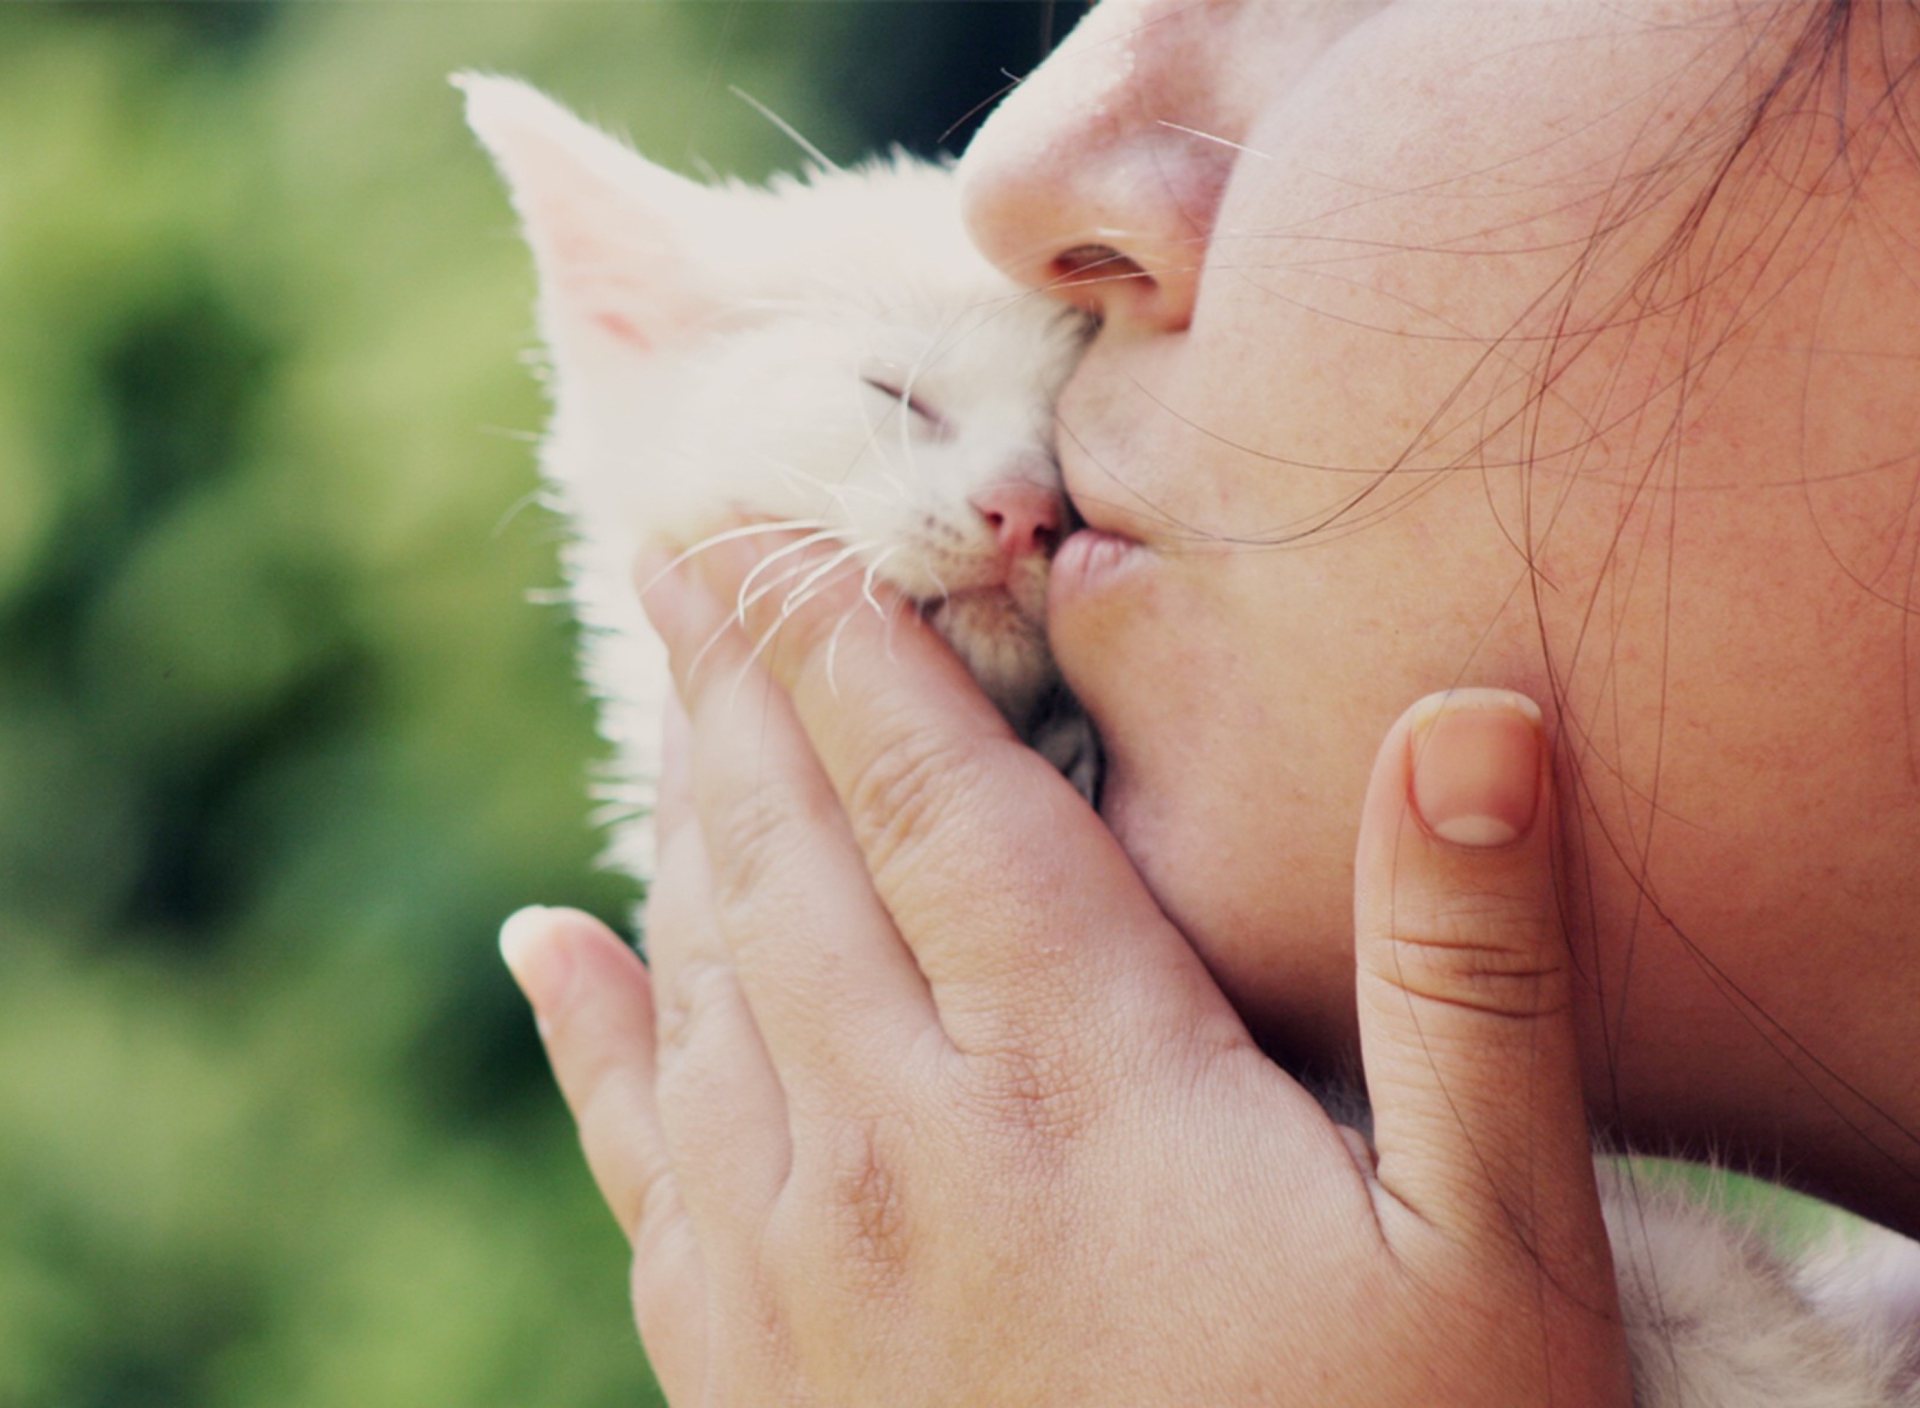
<point>712,354</point>
<point>709,351</point>
<point>1716,1318</point>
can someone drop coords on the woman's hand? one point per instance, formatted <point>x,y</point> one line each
<point>924,1101</point>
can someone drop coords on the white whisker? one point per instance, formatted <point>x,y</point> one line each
<point>514,510</point>
<point>867,580</point>
<point>833,651</point>
<point>700,655</point>
<point>812,590</point>
<point>889,617</point>
<point>792,132</point>
<point>798,597</point>
<point>788,572</point>
<point>787,525</point>
<point>777,580</point>
<point>745,600</point>
<point>747,597</point>
<point>766,639</point>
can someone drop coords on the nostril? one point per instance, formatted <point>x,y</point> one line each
<point>1019,539</point>
<point>1092,263</point>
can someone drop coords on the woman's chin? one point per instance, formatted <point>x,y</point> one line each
<point>1271,922</point>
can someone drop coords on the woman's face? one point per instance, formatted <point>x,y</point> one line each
<point>1426,361</point>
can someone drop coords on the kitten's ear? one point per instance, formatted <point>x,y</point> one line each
<point>615,238</point>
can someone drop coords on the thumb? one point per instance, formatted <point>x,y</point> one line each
<point>1464,986</point>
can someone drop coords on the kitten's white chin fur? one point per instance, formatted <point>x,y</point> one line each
<point>1003,643</point>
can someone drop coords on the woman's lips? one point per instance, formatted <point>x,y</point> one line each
<point>1090,561</point>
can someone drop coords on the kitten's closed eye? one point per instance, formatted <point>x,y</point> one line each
<point>932,419</point>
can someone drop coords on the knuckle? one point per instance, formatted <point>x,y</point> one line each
<point>874,1209</point>
<point>657,1219</point>
<point>672,1323</point>
<point>1482,952</point>
<point>1492,985</point>
<point>904,797</point>
<point>1035,1098</point>
<point>685,1002</point>
<point>855,1195</point>
<point>753,845</point>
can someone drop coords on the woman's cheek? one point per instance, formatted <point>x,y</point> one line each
<point>1328,463</point>
<point>1238,738</point>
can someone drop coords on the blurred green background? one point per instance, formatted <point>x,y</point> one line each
<point>281,739</point>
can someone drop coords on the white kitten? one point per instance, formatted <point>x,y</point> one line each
<point>832,354</point>
<point>835,354</point>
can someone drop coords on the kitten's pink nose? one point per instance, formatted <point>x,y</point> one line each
<point>1024,517</point>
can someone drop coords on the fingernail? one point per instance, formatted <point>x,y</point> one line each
<point>540,967</point>
<point>1476,765</point>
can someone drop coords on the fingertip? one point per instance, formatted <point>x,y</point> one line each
<point>541,948</point>
<point>538,964</point>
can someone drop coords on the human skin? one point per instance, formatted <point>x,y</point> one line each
<point>927,1096</point>
<point>1316,424</point>
<point>920,1099</point>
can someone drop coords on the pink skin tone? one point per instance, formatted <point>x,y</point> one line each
<point>884,1131</point>
<point>1323,281</point>
<point>937,1090</point>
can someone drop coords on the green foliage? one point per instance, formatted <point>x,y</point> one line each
<point>281,740</point>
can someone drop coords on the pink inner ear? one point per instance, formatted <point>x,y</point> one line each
<point>613,268</point>
<point>618,241</point>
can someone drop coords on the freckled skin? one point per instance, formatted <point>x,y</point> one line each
<point>1322,412</point>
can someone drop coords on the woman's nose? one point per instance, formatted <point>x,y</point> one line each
<point>1098,178</point>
